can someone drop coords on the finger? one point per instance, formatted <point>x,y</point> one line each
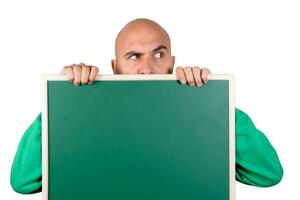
<point>197,75</point>
<point>68,71</point>
<point>180,75</point>
<point>77,74</point>
<point>189,76</point>
<point>204,74</point>
<point>85,73</point>
<point>93,74</point>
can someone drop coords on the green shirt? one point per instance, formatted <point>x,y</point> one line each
<point>257,162</point>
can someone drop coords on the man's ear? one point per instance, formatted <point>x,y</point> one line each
<point>172,67</point>
<point>114,66</point>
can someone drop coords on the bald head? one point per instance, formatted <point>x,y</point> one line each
<point>141,27</point>
<point>143,46</point>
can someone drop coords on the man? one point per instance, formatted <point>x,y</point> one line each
<point>143,47</point>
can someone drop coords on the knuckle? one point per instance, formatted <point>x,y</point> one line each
<point>196,68</point>
<point>206,70</point>
<point>76,68</point>
<point>82,64</point>
<point>95,68</point>
<point>85,67</point>
<point>69,70</point>
<point>178,69</point>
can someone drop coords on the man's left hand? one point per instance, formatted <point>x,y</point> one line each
<point>192,75</point>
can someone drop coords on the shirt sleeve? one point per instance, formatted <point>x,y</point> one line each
<point>257,162</point>
<point>26,171</point>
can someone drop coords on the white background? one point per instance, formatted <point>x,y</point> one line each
<point>257,40</point>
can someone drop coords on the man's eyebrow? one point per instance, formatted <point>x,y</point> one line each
<point>160,47</point>
<point>132,53</point>
<point>138,53</point>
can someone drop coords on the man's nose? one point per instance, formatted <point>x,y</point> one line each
<point>146,67</point>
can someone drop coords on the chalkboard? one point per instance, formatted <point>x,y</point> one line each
<point>138,137</point>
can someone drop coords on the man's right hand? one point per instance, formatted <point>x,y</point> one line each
<point>80,73</point>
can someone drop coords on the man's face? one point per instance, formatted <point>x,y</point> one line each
<point>143,48</point>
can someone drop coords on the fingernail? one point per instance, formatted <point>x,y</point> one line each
<point>182,81</point>
<point>199,85</point>
<point>76,84</point>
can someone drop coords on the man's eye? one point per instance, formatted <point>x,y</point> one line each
<point>133,57</point>
<point>158,55</point>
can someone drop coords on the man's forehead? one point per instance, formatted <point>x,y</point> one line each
<point>143,42</point>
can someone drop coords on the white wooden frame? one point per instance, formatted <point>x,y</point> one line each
<point>127,77</point>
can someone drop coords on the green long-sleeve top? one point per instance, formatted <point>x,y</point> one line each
<point>257,162</point>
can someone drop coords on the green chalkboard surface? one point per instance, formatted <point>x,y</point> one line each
<point>134,138</point>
